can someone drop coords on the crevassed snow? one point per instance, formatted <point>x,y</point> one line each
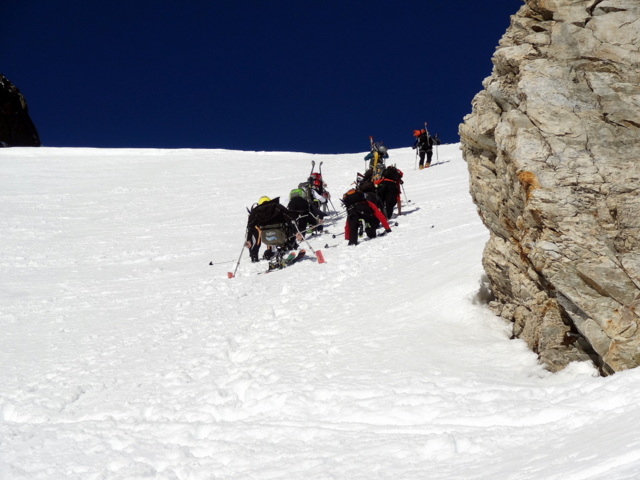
<point>125,355</point>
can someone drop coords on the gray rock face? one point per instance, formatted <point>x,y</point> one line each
<point>16,127</point>
<point>553,151</point>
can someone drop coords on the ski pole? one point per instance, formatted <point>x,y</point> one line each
<point>231,275</point>
<point>405,193</point>
<point>332,206</point>
<point>313,227</point>
<point>219,263</point>
<point>317,253</point>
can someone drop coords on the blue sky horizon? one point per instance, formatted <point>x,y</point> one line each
<point>307,76</point>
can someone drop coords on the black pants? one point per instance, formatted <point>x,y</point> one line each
<point>361,211</point>
<point>255,249</point>
<point>388,193</point>
<point>305,221</point>
<point>429,156</point>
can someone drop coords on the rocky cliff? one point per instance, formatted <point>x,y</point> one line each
<point>16,127</point>
<point>553,151</point>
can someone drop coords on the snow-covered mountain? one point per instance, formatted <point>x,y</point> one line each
<point>125,355</point>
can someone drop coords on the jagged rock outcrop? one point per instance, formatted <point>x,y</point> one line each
<point>553,151</point>
<point>16,127</point>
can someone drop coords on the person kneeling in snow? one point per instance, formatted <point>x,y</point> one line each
<point>389,187</point>
<point>361,213</point>
<point>307,213</point>
<point>270,214</point>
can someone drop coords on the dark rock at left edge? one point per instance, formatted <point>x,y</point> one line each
<point>16,127</point>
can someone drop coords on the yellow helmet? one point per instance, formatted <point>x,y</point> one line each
<point>263,199</point>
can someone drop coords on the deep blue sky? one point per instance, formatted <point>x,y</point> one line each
<point>308,76</point>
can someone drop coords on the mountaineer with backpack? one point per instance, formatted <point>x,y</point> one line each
<point>274,225</point>
<point>366,185</point>
<point>361,215</point>
<point>307,213</point>
<point>317,184</point>
<point>389,186</point>
<point>377,158</point>
<point>378,154</point>
<point>424,143</point>
<point>315,192</point>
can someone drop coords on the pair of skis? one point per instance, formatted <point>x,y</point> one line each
<point>325,205</point>
<point>292,258</point>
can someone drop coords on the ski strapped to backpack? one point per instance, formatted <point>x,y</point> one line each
<point>328,195</point>
<point>435,140</point>
<point>376,155</point>
<point>315,183</point>
<point>377,165</point>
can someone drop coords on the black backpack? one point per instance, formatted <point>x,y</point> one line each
<point>392,173</point>
<point>425,142</point>
<point>299,205</point>
<point>267,213</point>
<point>352,197</point>
<point>270,213</point>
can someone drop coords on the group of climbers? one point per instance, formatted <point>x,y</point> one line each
<point>282,228</point>
<point>369,205</point>
<point>376,194</point>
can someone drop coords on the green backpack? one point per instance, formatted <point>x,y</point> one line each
<point>297,192</point>
<point>306,191</point>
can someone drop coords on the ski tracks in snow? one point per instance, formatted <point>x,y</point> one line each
<point>323,334</point>
<point>131,357</point>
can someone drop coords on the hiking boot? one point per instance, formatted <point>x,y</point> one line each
<point>276,264</point>
<point>421,167</point>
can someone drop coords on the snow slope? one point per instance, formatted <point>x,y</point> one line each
<point>125,355</point>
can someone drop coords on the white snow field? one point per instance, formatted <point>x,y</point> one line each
<point>125,355</point>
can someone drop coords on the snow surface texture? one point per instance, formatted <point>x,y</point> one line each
<point>125,355</point>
